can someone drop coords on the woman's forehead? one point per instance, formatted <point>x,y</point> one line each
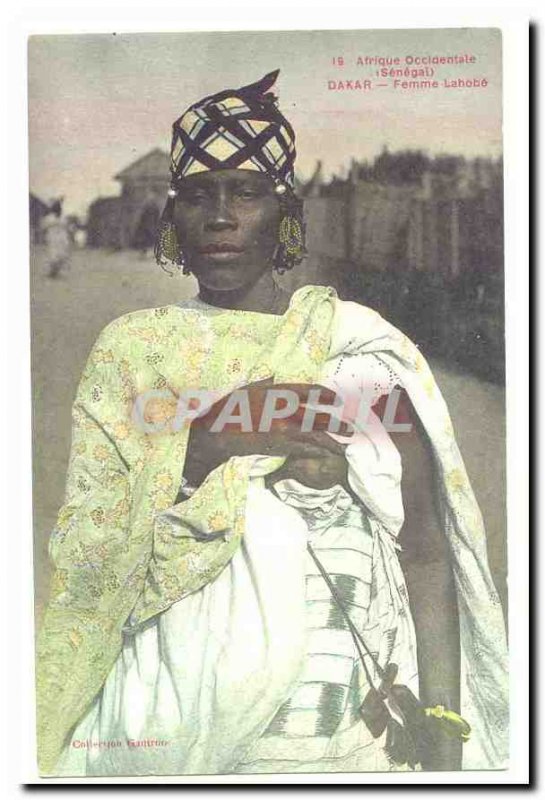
<point>227,176</point>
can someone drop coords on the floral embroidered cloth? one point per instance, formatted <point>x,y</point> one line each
<point>117,562</point>
<point>111,558</point>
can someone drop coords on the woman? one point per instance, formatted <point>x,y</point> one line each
<point>190,628</point>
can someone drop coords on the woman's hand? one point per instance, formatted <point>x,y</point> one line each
<point>314,457</point>
<point>320,471</point>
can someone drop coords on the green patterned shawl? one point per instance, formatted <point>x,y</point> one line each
<point>113,558</point>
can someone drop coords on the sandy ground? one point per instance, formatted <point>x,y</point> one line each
<point>67,315</point>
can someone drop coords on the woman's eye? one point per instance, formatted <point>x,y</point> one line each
<point>247,194</point>
<point>194,198</point>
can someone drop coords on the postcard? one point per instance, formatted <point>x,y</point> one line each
<point>268,376</point>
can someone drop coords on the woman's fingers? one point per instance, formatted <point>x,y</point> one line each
<point>320,423</point>
<point>296,408</point>
<point>324,441</point>
<point>315,442</point>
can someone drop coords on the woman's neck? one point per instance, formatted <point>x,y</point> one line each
<point>264,296</point>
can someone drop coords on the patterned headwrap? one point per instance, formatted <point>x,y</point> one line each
<point>235,129</point>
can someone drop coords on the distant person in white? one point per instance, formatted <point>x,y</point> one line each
<point>57,240</point>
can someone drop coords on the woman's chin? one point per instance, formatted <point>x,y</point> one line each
<point>225,277</point>
<point>221,282</point>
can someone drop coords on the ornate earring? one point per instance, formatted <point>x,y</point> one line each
<point>167,248</point>
<point>291,234</point>
<point>292,237</point>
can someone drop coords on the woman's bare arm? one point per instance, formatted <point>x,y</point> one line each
<point>432,595</point>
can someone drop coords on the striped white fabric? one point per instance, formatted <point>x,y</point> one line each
<point>319,727</point>
<point>238,676</point>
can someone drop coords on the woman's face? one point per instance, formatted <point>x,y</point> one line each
<point>227,225</point>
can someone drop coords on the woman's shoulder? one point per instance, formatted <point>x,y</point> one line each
<point>144,322</point>
<point>368,321</point>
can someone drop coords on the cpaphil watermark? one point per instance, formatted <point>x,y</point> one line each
<point>160,410</point>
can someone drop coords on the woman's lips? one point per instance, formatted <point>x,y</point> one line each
<point>221,247</point>
<point>222,252</point>
<point>231,255</point>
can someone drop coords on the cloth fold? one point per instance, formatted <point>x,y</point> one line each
<point>206,677</point>
<point>101,580</point>
<point>118,557</point>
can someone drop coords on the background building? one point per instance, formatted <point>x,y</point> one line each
<point>130,219</point>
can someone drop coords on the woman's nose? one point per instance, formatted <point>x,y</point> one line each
<point>220,216</point>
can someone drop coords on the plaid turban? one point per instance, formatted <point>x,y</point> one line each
<point>235,129</point>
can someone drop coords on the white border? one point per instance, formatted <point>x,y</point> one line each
<point>17,684</point>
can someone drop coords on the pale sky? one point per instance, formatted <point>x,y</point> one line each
<point>99,102</point>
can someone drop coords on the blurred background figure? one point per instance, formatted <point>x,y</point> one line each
<point>79,235</point>
<point>57,239</point>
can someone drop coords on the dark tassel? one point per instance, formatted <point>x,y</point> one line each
<point>400,746</point>
<point>394,708</point>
